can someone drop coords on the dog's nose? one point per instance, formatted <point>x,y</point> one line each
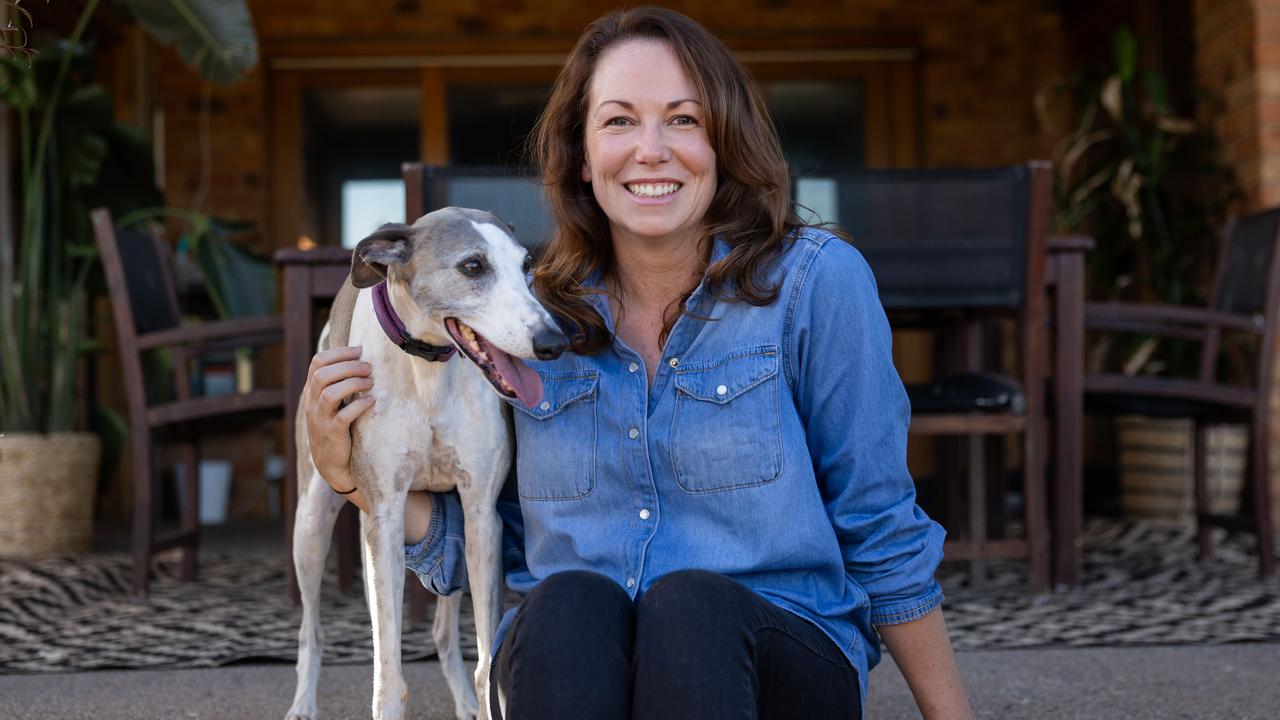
<point>548,343</point>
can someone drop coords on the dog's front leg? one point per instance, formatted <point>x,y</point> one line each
<point>483,532</point>
<point>384,569</point>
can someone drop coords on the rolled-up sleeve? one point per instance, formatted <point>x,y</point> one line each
<point>851,398</point>
<point>440,560</point>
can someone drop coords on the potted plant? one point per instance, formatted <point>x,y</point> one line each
<point>72,156</point>
<point>1150,188</point>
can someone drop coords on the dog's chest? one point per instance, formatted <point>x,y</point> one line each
<point>447,436</point>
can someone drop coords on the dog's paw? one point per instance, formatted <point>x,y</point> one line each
<point>296,714</point>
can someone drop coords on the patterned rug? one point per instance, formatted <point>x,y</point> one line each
<point>1142,586</point>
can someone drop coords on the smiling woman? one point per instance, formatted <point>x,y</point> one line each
<point>697,531</point>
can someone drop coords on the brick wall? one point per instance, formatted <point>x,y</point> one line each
<point>1226,66</point>
<point>1268,94</point>
<point>981,63</point>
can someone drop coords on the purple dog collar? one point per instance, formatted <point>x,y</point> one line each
<point>399,335</point>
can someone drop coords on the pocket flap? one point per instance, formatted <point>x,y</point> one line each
<point>559,392</point>
<point>726,379</point>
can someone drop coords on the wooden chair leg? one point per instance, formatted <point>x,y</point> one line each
<point>142,509</point>
<point>1037,518</point>
<point>1259,453</point>
<point>191,508</point>
<point>976,480</point>
<point>419,598</point>
<point>1199,464</point>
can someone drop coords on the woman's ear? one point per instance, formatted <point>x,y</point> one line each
<point>586,172</point>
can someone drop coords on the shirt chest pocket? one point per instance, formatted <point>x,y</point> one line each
<point>726,431</point>
<point>556,439</point>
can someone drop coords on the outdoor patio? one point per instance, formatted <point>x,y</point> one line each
<point>1072,210</point>
<point>1150,634</point>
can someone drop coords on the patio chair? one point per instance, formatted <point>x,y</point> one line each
<point>145,311</point>
<point>511,195</point>
<point>969,244</point>
<point>1245,299</point>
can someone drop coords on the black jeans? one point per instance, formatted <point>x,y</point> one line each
<point>695,645</point>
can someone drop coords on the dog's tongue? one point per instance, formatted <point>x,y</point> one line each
<point>520,377</point>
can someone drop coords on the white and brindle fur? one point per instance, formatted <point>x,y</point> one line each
<point>434,426</point>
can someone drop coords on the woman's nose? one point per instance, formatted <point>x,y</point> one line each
<point>651,147</point>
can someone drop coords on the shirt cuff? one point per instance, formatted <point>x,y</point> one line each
<point>902,610</point>
<point>439,560</point>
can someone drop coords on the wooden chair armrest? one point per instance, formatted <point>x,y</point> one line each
<point>255,331</point>
<point>1169,320</point>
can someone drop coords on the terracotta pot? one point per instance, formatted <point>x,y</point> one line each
<point>47,487</point>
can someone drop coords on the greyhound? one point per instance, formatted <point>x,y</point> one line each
<point>457,279</point>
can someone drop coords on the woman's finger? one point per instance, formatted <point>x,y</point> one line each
<point>332,355</point>
<point>330,374</point>
<point>334,393</point>
<point>354,409</point>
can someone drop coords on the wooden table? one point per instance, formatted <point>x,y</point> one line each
<point>1066,281</point>
<point>311,279</point>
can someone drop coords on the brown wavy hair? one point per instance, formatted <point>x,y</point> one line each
<point>751,209</point>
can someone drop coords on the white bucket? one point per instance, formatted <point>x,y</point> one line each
<point>215,490</point>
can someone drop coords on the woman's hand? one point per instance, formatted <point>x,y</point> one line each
<point>334,376</point>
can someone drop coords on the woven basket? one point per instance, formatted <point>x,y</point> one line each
<point>1156,473</point>
<point>47,485</point>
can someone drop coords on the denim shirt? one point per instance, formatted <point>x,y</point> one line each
<point>770,448</point>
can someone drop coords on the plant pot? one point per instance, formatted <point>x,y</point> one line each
<point>47,487</point>
<point>1156,468</point>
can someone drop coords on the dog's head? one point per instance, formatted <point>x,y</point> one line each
<point>464,273</point>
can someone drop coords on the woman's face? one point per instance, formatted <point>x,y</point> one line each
<point>649,160</point>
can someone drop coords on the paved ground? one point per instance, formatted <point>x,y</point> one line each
<point>1231,681</point>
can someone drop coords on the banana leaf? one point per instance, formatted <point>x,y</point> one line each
<point>214,36</point>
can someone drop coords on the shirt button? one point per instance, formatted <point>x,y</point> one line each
<point>673,362</point>
<point>547,406</point>
<point>633,433</point>
<point>721,390</point>
<point>631,582</point>
<point>633,367</point>
<point>644,514</point>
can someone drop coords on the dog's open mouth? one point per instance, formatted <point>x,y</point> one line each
<point>506,373</point>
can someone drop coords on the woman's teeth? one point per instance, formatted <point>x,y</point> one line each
<point>653,189</point>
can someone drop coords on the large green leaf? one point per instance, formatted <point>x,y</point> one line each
<point>214,36</point>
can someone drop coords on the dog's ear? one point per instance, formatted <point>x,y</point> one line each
<point>388,245</point>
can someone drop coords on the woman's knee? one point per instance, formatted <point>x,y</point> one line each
<point>691,594</point>
<point>576,598</point>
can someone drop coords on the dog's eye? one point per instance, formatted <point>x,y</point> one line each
<point>471,267</point>
<point>527,265</point>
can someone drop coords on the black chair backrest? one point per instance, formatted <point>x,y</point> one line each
<point>1242,285</point>
<point>146,275</point>
<point>934,238</point>
<point>514,197</point>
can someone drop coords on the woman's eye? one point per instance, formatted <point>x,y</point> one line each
<point>471,267</point>
<point>617,122</point>
<point>684,120</point>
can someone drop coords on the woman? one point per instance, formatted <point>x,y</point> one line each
<point>733,530</point>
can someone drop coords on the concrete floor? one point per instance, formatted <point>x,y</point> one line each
<point>1229,681</point>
